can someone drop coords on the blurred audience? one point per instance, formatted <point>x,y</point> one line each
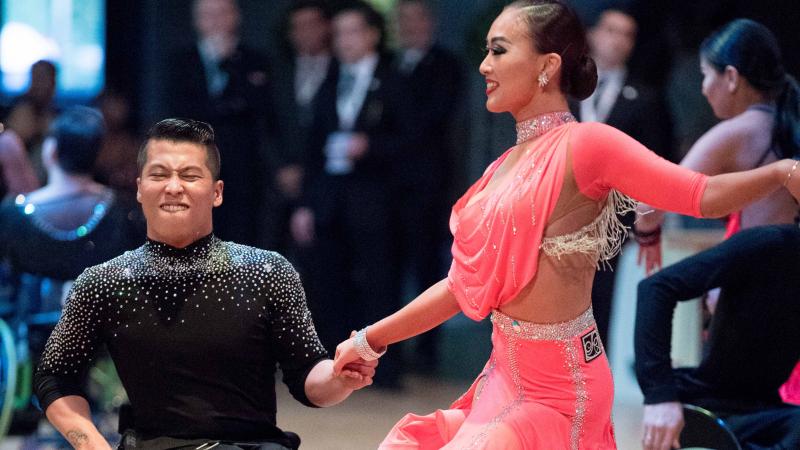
<point>116,163</point>
<point>72,222</point>
<point>30,115</point>
<point>222,81</point>
<point>18,174</point>
<point>753,345</point>
<point>50,235</point>
<point>433,82</point>
<point>306,66</point>
<point>354,145</point>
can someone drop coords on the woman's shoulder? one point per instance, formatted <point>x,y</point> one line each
<point>749,124</point>
<point>751,130</point>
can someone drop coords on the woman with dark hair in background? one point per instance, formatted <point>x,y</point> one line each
<point>748,88</point>
<point>759,103</point>
<point>528,236</point>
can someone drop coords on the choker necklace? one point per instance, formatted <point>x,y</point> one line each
<point>541,124</point>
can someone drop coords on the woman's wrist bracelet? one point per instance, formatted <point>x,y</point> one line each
<point>363,348</point>
<point>646,234</point>
<point>649,238</point>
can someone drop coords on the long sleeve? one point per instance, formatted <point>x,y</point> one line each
<point>72,345</point>
<point>295,341</point>
<point>659,294</point>
<point>604,158</point>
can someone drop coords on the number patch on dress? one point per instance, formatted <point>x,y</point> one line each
<point>592,345</point>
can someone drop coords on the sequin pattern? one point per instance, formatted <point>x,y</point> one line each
<point>543,331</point>
<point>212,317</point>
<point>529,129</point>
<point>565,333</point>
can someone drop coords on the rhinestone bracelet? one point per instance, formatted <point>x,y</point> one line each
<point>363,349</point>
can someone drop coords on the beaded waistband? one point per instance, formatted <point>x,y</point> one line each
<point>543,331</point>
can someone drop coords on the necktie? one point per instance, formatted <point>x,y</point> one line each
<point>347,81</point>
<point>598,92</point>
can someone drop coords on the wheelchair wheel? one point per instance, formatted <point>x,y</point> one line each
<point>8,377</point>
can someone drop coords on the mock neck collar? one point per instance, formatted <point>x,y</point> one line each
<point>197,249</point>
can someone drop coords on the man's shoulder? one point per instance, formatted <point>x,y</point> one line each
<point>117,267</point>
<point>246,256</point>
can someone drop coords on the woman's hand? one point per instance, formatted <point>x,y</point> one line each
<point>345,354</point>
<point>792,181</point>
<point>650,257</point>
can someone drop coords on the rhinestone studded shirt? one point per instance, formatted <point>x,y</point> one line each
<point>195,334</point>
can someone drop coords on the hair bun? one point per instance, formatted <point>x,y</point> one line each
<point>583,79</point>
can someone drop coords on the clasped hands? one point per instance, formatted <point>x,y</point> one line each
<point>351,368</point>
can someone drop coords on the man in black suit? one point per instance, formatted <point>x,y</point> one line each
<point>433,81</point>
<point>627,105</point>
<point>306,66</point>
<point>353,147</point>
<point>225,83</point>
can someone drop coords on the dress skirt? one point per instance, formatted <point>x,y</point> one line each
<point>545,386</point>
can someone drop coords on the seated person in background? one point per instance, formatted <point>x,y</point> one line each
<point>48,236</point>
<point>753,345</point>
<point>195,325</point>
<point>17,174</point>
<point>72,222</point>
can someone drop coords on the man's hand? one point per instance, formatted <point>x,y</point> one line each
<point>359,144</point>
<point>358,374</point>
<point>662,425</point>
<point>650,256</point>
<point>302,226</point>
<point>289,180</point>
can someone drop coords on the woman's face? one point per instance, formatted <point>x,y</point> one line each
<point>716,90</point>
<point>511,65</point>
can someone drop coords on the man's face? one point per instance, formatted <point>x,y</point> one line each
<point>177,192</point>
<point>216,17</point>
<point>414,25</point>
<point>43,84</point>
<point>353,38</point>
<point>309,31</point>
<point>612,39</point>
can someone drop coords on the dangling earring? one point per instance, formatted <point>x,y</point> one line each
<point>543,79</point>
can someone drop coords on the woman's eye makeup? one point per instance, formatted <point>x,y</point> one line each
<point>494,50</point>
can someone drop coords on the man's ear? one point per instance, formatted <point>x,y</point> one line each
<point>218,185</point>
<point>138,189</point>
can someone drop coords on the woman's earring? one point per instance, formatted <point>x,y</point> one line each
<point>543,79</point>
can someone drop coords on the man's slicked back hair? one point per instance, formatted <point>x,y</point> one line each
<point>184,130</point>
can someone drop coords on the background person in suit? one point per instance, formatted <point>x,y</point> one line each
<point>225,83</point>
<point>632,107</point>
<point>353,148</point>
<point>307,63</point>
<point>433,80</point>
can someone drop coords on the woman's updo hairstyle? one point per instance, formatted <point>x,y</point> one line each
<point>753,50</point>
<point>555,28</point>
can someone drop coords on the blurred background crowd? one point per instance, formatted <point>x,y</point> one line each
<point>346,131</point>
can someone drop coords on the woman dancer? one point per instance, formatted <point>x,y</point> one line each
<point>746,85</point>
<point>527,238</point>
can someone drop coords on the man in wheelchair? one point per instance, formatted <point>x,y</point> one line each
<point>195,325</point>
<point>753,344</point>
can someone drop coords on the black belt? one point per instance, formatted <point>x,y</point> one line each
<point>131,442</point>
